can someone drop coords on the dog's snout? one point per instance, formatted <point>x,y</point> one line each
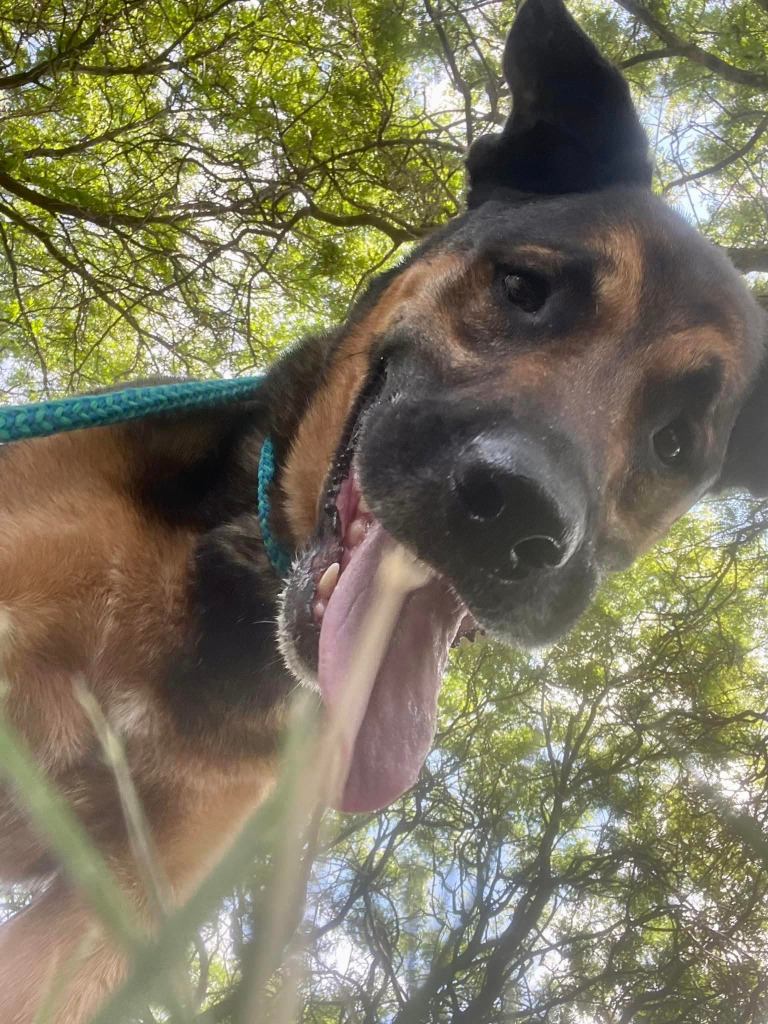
<point>516,521</point>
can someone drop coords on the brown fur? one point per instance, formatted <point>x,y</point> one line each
<point>417,293</point>
<point>94,593</point>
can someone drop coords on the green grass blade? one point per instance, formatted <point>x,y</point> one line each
<point>67,838</point>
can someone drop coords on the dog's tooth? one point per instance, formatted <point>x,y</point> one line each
<point>318,610</point>
<point>363,507</point>
<point>355,533</point>
<point>327,581</point>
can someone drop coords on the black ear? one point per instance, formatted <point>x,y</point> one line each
<point>573,126</point>
<point>746,460</point>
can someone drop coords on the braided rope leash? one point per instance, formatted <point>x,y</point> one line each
<point>41,419</point>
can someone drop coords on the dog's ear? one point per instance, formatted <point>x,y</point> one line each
<point>573,126</point>
<point>746,460</point>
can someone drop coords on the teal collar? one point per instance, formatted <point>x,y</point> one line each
<point>278,555</point>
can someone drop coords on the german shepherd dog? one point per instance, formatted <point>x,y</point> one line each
<point>524,404</point>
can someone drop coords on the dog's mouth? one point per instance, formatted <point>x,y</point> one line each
<point>324,614</point>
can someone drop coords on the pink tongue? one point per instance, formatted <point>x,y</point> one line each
<point>386,742</point>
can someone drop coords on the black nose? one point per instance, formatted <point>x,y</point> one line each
<point>514,518</point>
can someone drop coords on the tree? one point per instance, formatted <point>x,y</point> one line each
<point>187,187</point>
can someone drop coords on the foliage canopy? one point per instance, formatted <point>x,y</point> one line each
<point>188,186</point>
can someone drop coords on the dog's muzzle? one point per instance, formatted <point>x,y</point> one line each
<point>497,503</point>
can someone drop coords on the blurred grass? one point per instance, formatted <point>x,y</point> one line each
<point>279,824</point>
<point>264,832</point>
<point>52,817</point>
<point>284,828</point>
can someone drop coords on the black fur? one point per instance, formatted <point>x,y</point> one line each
<point>573,126</point>
<point>746,461</point>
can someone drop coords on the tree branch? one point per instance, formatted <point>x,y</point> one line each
<point>694,53</point>
<point>93,140</point>
<point>649,55</point>
<point>80,271</point>
<point>353,220</point>
<point>45,67</point>
<point>59,207</point>
<point>459,82</point>
<point>737,154</point>
<point>23,309</point>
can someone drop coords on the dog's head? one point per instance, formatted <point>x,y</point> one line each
<point>527,403</point>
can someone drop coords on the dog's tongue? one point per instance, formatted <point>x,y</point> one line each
<point>386,718</point>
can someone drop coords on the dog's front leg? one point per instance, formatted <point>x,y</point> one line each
<point>57,962</point>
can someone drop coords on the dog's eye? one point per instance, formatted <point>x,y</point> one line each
<point>672,444</point>
<point>526,290</point>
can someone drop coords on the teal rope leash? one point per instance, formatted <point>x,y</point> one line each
<point>41,419</point>
<point>19,422</point>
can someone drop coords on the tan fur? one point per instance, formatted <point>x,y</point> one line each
<point>93,595</point>
<point>60,943</point>
<point>695,348</point>
<point>413,295</point>
<point>621,283</point>
<point>59,948</point>
<point>79,565</point>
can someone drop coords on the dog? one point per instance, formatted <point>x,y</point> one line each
<point>525,404</point>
